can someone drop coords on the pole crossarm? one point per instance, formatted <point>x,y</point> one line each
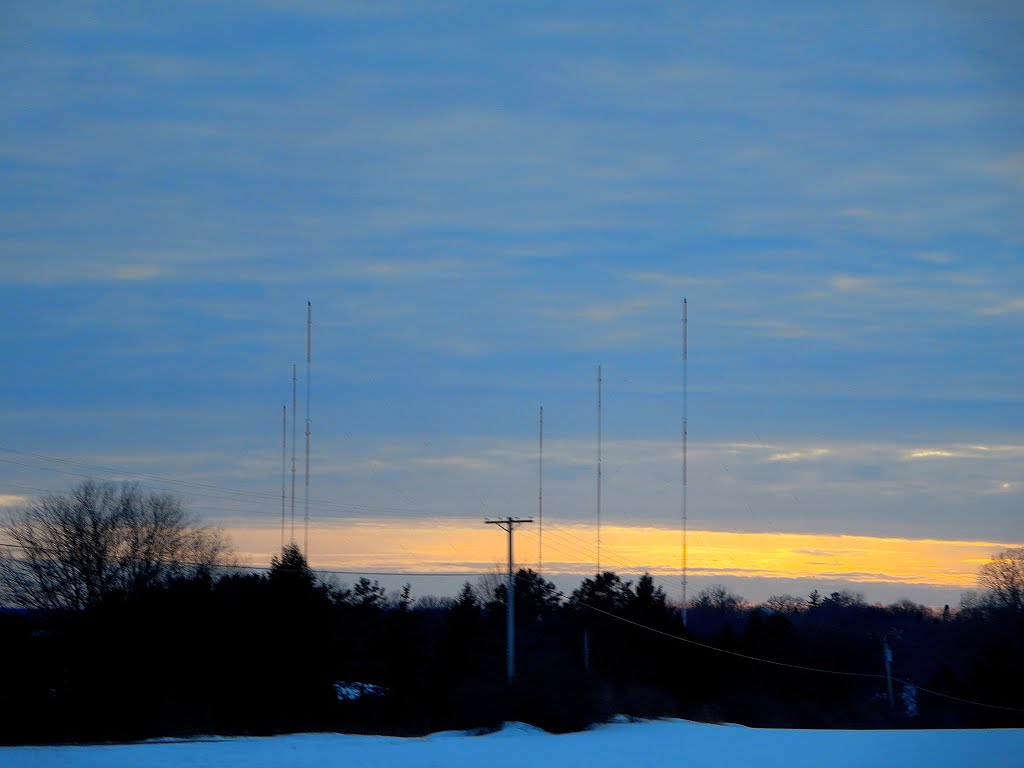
<point>506,524</point>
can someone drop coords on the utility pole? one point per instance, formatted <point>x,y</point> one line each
<point>685,434</point>
<point>508,524</point>
<point>599,470</point>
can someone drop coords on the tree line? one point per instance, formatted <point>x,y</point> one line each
<point>125,619</point>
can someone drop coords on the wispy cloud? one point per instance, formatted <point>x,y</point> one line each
<point>1013,305</point>
<point>137,272</point>
<point>809,455</point>
<point>669,278</point>
<point>850,283</point>
<point>929,453</point>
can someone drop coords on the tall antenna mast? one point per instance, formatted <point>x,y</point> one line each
<point>598,470</point>
<point>284,433</point>
<point>540,495</point>
<point>309,365</point>
<point>295,383</point>
<point>685,430</point>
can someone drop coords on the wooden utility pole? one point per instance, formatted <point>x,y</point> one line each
<point>508,524</point>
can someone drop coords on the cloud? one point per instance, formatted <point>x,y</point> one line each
<point>823,552</point>
<point>471,463</point>
<point>963,452</point>
<point>783,329</point>
<point>1013,305</point>
<point>929,453</point>
<point>612,313</point>
<point>851,283</point>
<point>773,486</point>
<point>420,269</point>
<point>12,500</point>
<point>667,278</point>
<point>810,455</point>
<point>1006,487</point>
<point>137,272</point>
<point>603,313</point>
<point>935,257</point>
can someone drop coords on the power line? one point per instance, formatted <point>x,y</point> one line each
<point>582,557</point>
<point>705,646</point>
<point>580,554</point>
<point>560,535</point>
<point>800,667</point>
<point>508,524</point>
<point>621,560</point>
<point>564,548</point>
<point>247,567</point>
<point>225,493</point>
<point>685,433</point>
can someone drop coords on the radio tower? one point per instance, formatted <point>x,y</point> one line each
<point>284,433</point>
<point>540,495</point>
<point>295,382</point>
<point>599,470</point>
<point>685,429</point>
<point>309,365</point>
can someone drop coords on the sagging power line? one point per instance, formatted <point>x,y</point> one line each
<point>338,571</point>
<point>799,667</point>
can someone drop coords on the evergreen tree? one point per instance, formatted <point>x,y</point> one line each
<point>606,592</point>
<point>648,604</point>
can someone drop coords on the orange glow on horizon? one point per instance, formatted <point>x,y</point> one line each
<point>464,547</point>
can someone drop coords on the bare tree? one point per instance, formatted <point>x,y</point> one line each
<point>489,584</point>
<point>1003,577</point>
<point>71,550</point>
<point>784,603</point>
<point>719,598</point>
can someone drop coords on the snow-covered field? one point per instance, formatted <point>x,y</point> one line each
<point>620,745</point>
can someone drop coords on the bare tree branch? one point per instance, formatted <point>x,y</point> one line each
<point>72,550</point>
<point>1003,577</point>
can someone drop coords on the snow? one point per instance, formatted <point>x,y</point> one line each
<point>662,742</point>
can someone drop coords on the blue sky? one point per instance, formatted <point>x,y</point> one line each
<point>485,201</point>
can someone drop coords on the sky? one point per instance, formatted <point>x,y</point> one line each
<point>485,202</point>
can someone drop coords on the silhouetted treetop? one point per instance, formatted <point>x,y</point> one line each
<point>605,591</point>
